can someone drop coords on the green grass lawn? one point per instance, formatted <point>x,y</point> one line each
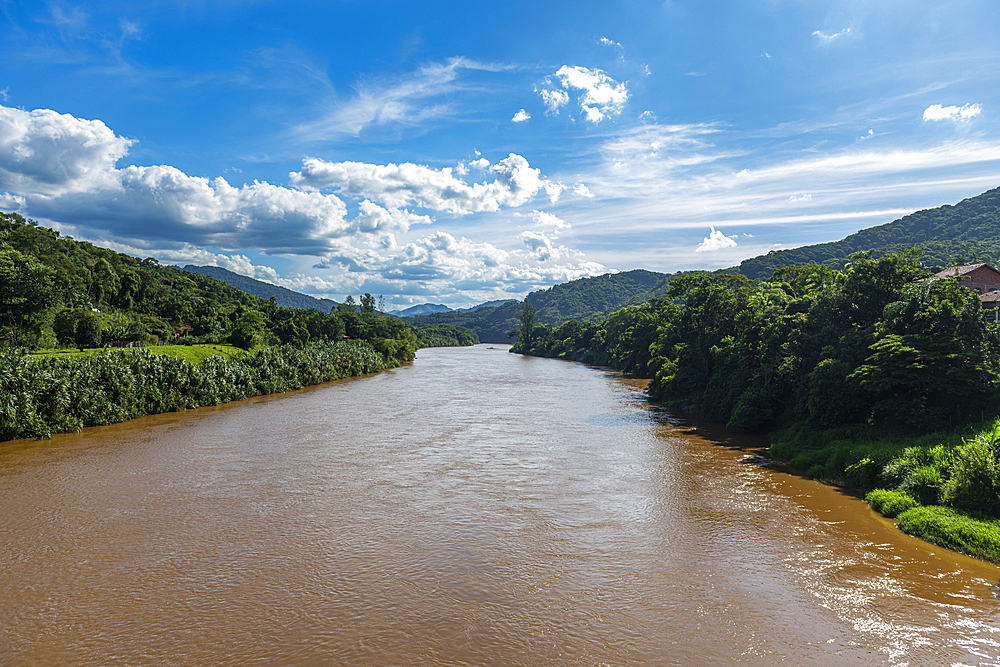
<point>193,353</point>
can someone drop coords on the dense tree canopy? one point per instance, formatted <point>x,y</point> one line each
<point>874,343</point>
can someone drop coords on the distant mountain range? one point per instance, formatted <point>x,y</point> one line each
<point>285,298</point>
<point>419,309</point>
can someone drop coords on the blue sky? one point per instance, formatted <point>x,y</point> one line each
<point>460,152</point>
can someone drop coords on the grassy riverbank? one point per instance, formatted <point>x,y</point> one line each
<point>46,394</point>
<point>943,487</point>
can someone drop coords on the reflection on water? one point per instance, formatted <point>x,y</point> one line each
<point>475,507</point>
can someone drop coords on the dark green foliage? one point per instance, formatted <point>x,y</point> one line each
<point>88,330</point>
<point>875,344</point>
<point>443,335</point>
<point>27,289</point>
<point>890,503</point>
<point>41,396</point>
<point>949,528</point>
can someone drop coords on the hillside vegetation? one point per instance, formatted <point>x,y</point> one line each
<point>961,234</point>
<point>283,296</point>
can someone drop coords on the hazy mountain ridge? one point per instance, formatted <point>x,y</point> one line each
<point>285,297</point>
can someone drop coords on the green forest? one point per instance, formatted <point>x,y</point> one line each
<point>866,377</point>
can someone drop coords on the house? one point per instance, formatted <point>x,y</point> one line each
<point>982,279</point>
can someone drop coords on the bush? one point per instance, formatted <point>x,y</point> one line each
<point>974,485</point>
<point>890,503</point>
<point>924,484</point>
<point>951,529</point>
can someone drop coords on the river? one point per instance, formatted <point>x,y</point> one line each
<point>472,508</point>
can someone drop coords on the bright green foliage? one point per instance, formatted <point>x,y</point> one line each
<point>974,482</point>
<point>890,503</point>
<point>41,396</point>
<point>949,528</point>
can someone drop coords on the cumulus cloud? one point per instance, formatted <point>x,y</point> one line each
<point>954,113</point>
<point>553,99</point>
<point>540,246</point>
<point>716,240</point>
<point>520,116</point>
<point>46,153</point>
<point>515,183</point>
<point>545,219</point>
<point>598,94</point>
<point>581,190</point>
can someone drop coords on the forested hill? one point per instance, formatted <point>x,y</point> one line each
<point>961,234</point>
<point>587,299</point>
<point>285,298</point>
<point>592,299</point>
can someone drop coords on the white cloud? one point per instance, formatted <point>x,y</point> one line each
<point>599,95</point>
<point>162,202</point>
<point>540,246</point>
<point>582,190</point>
<point>716,240</point>
<point>413,100</point>
<point>395,186</point>
<point>553,99</point>
<point>806,197</point>
<point>63,169</point>
<point>520,116</point>
<point>543,219</point>
<point>46,153</point>
<point>954,113</point>
<point>826,38</point>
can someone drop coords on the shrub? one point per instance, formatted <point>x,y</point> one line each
<point>974,485</point>
<point>890,503</point>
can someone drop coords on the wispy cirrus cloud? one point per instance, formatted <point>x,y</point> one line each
<point>410,100</point>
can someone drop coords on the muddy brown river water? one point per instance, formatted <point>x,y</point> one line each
<point>472,508</point>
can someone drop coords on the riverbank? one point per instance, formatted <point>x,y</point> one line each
<point>943,487</point>
<point>40,396</point>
